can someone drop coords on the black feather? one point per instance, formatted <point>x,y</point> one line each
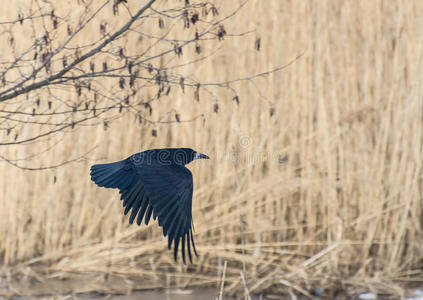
<point>148,214</point>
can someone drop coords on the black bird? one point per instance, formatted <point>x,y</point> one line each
<point>156,182</point>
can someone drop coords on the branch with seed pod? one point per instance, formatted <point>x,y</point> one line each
<point>55,61</point>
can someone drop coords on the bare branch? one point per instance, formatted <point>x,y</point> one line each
<point>13,92</point>
<point>14,164</point>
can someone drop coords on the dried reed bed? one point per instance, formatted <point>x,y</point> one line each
<point>324,193</point>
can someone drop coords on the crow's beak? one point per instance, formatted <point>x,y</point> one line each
<point>200,155</point>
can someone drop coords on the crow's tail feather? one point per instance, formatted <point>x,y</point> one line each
<point>113,175</point>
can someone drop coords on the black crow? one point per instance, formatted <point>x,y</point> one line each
<point>156,182</point>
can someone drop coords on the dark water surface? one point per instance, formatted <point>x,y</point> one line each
<point>82,287</point>
<point>197,294</point>
<point>176,295</point>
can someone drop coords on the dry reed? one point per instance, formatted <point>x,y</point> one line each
<point>315,179</point>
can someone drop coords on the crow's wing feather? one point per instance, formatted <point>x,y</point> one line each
<point>119,175</point>
<point>169,188</point>
<point>137,200</point>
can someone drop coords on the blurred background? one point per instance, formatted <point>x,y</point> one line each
<point>311,112</point>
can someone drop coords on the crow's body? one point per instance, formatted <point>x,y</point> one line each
<point>156,183</point>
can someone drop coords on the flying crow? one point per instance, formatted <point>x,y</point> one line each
<point>156,183</point>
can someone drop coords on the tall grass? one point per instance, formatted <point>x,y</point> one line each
<point>325,191</point>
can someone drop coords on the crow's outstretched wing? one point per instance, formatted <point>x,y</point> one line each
<point>122,175</point>
<point>119,175</point>
<point>150,188</point>
<point>169,189</point>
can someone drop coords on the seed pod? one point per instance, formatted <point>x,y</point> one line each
<point>178,50</point>
<point>257,44</point>
<point>181,84</point>
<point>44,57</point>
<point>197,93</point>
<point>150,68</point>
<point>221,32</point>
<point>103,28</point>
<point>78,88</point>
<point>186,19</point>
<point>132,80</point>
<point>214,10</point>
<point>122,83</point>
<point>194,18</point>
<point>158,79</point>
<point>148,106</point>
